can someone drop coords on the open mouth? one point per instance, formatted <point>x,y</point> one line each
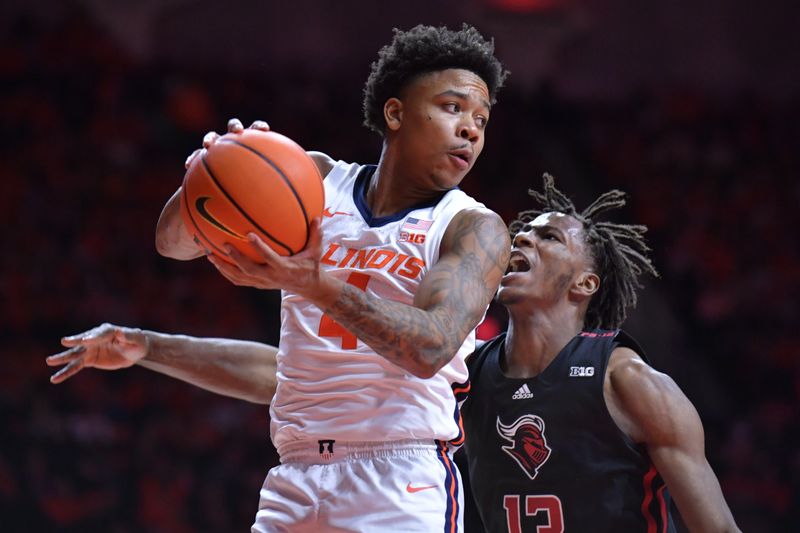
<point>518,262</point>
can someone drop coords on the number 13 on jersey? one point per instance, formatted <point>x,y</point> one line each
<point>549,503</point>
<point>328,327</point>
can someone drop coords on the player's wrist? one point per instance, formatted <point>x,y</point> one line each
<point>324,292</point>
<point>151,345</point>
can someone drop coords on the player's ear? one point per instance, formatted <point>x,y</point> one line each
<point>587,284</point>
<point>393,113</point>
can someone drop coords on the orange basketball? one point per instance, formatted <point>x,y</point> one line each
<point>254,181</point>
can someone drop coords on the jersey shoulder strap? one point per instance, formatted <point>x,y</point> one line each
<point>625,340</point>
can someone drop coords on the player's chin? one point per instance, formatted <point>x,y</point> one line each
<point>508,296</point>
<point>448,178</point>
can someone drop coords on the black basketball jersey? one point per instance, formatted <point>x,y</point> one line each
<point>544,454</point>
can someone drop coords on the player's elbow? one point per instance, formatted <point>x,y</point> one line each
<point>427,363</point>
<point>165,249</point>
<point>251,397</point>
<point>170,244</point>
<point>164,246</point>
<point>173,239</point>
<point>256,390</point>
<point>260,397</point>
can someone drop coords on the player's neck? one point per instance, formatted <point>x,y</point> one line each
<point>392,189</point>
<point>534,340</point>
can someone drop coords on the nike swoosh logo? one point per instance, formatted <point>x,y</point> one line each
<point>327,213</point>
<point>200,204</point>
<point>412,490</point>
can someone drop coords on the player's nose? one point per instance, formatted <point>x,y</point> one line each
<point>469,131</point>
<point>522,240</point>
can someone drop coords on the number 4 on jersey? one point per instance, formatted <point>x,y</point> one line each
<point>533,504</point>
<point>328,327</point>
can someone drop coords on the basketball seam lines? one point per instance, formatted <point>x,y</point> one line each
<point>242,211</point>
<point>282,175</point>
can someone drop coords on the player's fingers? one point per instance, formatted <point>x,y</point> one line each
<point>67,372</point>
<point>238,258</point>
<point>217,262</point>
<point>259,125</point>
<point>235,126</point>
<point>65,356</point>
<point>229,271</point>
<point>96,335</point>
<point>245,272</point>
<point>234,278</point>
<point>314,235</point>
<point>210,138</point>
<point>192,157</point>
<point>270,256</point>
<point>245,265</point>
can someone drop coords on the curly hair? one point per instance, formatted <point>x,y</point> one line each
<point>618,252</point>
<point>426,49</point>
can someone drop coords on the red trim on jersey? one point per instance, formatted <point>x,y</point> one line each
<point>594,334</point>
<point>663,505</point>
<point>648,498</point>
<point>461,389</point>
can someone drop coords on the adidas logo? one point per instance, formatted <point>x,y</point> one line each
<point>523,393</point>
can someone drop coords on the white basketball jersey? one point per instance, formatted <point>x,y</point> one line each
<point>330,384</point>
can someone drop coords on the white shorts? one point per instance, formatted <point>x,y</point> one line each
<point>333,487</point>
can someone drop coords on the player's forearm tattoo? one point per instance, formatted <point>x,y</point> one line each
<point>459,289</point>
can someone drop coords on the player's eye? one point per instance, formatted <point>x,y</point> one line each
<point>452,107</point>
<point>548,235</point>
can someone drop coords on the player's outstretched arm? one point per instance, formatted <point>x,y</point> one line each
<point>649,406</point>
<point>239,369</point>
<point>420,338</point>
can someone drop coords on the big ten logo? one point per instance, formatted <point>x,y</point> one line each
<point>416,238</point>
<point>581,371</point>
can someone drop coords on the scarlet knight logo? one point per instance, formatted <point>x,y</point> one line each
<point>528,445</point>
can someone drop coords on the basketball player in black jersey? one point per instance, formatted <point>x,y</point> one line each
<point>568,427</point>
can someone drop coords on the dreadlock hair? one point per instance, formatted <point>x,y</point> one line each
<point>618,252</point>
<point>425,49</point>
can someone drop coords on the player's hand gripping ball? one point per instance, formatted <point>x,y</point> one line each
<point>253,181</point>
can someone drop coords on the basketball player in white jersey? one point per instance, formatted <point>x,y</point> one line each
<point>378,312</point>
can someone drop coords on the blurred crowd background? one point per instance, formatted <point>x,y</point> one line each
<point>692,108</point>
